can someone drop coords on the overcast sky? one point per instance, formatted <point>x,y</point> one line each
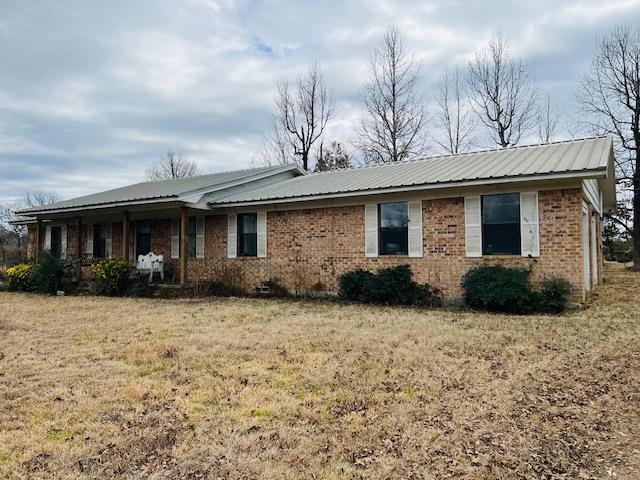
<point>93,92</point>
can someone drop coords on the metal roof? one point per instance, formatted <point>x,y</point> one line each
<point>575,156</point>
<point>165,189</point>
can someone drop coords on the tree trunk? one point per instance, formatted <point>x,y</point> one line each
<point>636,219</point>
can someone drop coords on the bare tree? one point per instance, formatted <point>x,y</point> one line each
<point>454,118</point>
<point>502,95</point>
<point>610,96</point>
<point>274,148</point>
<point>395,123</point>
<point>303,112</point>
<point>333,157</point>
<point>39,198</point>
<point>172,165</point>
<point>548,120</point>
<point>8,216</point>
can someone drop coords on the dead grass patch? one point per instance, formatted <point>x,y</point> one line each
<point>242,388</point>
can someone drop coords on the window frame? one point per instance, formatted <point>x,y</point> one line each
<point>99,242</point>
<point>56,231</point>
<point>381,249</point>
<point>139,234</point>
<point>240,235</point>
<point>192,234</point>
<point>517,251</point>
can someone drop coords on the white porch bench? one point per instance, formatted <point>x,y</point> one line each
<point>151,263</point>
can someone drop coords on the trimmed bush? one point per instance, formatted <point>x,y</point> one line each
<point>111,276</point>
<point>507,289</point>
<point>389,286</point>
<point>498,289</point>
<point>552,297</point>
<point>354,285</point>
<point>21,277</point>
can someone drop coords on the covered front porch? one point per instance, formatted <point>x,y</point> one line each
<point>175,232</point>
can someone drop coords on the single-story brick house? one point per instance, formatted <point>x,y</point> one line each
<point>538,206</point>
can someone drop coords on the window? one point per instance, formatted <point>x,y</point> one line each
<point>248,235</point>
<point>191,237</point>
<point>143,238</point>
<point>501,224</point>
<point>99,240</point>
<point>393,228</point>
<point>56,241</point>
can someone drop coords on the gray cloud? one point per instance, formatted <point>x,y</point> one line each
<point>93,92</point>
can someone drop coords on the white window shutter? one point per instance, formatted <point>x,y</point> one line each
<point>199,237</point>
<point>89,240</point>
<point>529,228</point>
<point>107,240</point>
<point>415,228</point>
<point>175,238</point>
<point>47,237</point>
<point>473,226</point>
<point>63,241</point>
<point>262,234</point>
<point>371,230</point>
<point>232,235</point>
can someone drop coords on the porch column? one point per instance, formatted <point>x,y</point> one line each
<point>126,233</point>
<point>183,245</point>
<point>38,243</point>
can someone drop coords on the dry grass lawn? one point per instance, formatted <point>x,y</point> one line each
<point>240,388</point>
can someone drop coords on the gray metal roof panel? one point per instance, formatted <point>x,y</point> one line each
<point>551,158</point>
<point>162,189</point>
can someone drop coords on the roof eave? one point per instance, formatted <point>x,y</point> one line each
<point>598,173</point>
<point>99,206</point>
<point>180,197</point>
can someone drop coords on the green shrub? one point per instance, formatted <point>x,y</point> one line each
<point>21,277</point>
<point>508,289</point>
<point>498,289</point>
<point>111,276</point>
<point>354,285</point>
<point>552,297</point>
<point>390,286</point>
<point>51,274</point>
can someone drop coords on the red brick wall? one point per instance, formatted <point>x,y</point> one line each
<point>307,248</point>
<point>316,245</point>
